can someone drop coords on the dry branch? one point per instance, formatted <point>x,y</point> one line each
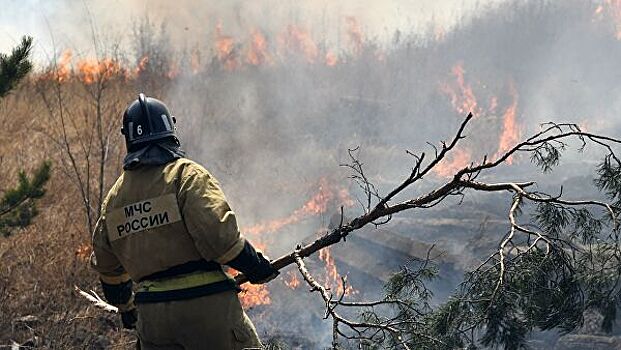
<point>462,180</point>
<point>331,304</point>
<point>96,300</point>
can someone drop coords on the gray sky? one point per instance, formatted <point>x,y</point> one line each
<point>69,21</point>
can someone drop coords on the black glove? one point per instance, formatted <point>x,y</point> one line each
<point>121,296</point>
<point>129,318</point>
<point>265,273</point>
<point>118,294</point>
<point>254,265</point>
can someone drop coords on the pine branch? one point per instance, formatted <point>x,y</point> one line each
<point>17,207</point>
<point>15,66</point>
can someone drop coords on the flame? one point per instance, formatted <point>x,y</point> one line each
<point>464,101</point>
<point>258,53</point>
<point>510,135</point>
<point>461,94</point>
<point>232,54</point>
<point>318,204</point>
<point>62,71</point>
<point>255,294</point>
<point>93,70</point>
<point>298,39</point>
<point>142,65</point>
<point>225,49</point>
<point>332,277</point>
<point>456,160</point>
<point>331,59</point>
<point>354,33</point>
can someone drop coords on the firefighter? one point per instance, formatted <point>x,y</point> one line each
<point>166,225</point>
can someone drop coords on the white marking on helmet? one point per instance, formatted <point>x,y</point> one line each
<point>166,122</point>
<point>131,131</point>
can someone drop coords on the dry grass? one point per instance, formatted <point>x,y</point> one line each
<point>40,265</point>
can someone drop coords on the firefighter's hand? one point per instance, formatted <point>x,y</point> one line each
<point>264,272</point>
<point>129,318</point>
<point>254,265</point>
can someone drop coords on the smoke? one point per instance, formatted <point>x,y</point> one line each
<point>273,133</point>
<point>270,132</point>
<point>73,23</point>
<point>292,122</point>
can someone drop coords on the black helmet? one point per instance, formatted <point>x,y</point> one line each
<point>147,120</point>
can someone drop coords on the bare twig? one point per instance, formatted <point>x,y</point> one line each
<point>336,317</point>
<point>463,179</point>
<point>97,300</point>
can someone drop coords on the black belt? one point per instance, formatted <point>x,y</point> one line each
<point>185,293</point>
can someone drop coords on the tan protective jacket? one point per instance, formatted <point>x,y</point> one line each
<point>157,217</point>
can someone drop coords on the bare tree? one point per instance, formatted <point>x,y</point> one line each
<point>544,274</point>
<point>82,135</point>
